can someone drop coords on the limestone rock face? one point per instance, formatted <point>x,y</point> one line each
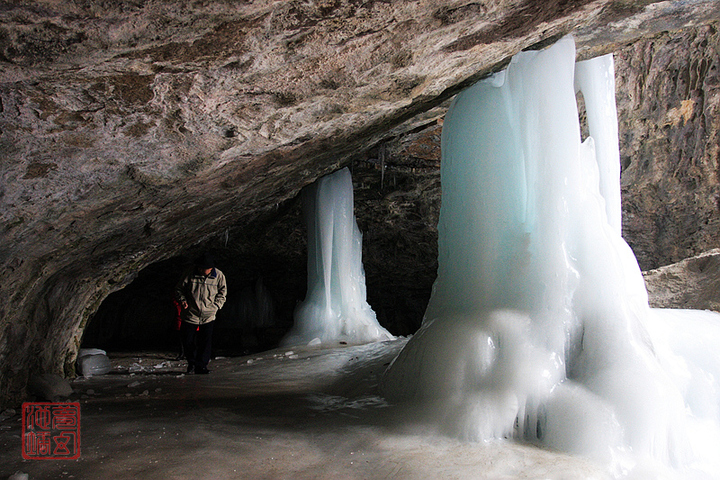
<point>132,130</point>
<point>669,121</point>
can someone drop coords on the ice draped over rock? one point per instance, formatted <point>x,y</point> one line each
<point>335,307</point>
<point>536,327</point>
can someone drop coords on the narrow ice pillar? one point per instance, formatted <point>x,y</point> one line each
<point>335,307</point>
<point>596,80</point>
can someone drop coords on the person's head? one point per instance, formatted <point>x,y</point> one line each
<point>205,264</point>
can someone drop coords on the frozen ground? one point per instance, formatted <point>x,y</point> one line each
<point>300,413</point>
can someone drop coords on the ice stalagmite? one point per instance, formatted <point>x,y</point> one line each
<point>536,327</point>
<point>335,308</point>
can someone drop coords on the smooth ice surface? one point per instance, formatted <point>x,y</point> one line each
<point>538,324</point>
<point>312,415</point>
<point>595,79</point>
<point>89,365</point>
<point>335,308</point>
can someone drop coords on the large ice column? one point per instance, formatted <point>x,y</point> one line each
<point>335,308</point>
<point>535,327</point>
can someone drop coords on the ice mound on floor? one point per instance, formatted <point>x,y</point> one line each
<point>93,361</point>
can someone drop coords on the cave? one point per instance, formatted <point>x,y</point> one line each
<point>268,259</point>
<point>138,134</point>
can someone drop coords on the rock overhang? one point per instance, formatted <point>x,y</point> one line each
<point>131,131</point>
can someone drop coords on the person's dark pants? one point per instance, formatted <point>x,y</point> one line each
<point>197,341</point>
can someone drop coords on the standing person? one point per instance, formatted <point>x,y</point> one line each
<point>201,293</point>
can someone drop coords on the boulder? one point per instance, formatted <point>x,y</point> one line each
<point>49,387</point>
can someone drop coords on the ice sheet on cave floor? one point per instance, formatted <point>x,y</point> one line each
<point>308,412</point>
<point>296,413</point>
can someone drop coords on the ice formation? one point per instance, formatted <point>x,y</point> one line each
<point>335,307</point>
<point>538,327</point>
<point>93,361</point>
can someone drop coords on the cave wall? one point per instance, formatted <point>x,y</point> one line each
<point>668,97</point>
<point>132,131</point>
<point>397,192</point>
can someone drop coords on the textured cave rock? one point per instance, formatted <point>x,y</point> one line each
<point>669,117</point>
<point>135,131</point>
<point>691,283</point>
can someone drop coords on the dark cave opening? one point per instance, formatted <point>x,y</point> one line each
<point>265,271</point>
<point>139,316</point>
<point>143,317</point>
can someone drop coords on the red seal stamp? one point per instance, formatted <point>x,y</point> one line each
<point>50,431</point>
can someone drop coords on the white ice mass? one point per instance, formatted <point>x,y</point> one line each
<point>335,307</point>
<point>538,327</point>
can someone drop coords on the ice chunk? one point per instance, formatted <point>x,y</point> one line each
<point>90,363</point>
<point>90,351</point>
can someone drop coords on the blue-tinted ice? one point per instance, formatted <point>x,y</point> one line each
<point>538,327</point>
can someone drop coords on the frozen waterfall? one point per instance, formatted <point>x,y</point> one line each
<point>538,327</point>
<point>335,307</point>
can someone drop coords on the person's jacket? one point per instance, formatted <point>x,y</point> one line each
<point>205,295</point>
